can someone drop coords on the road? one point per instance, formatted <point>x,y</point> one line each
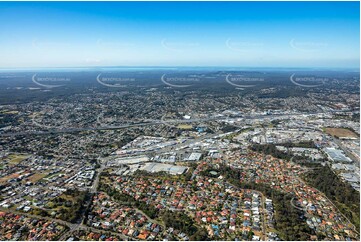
<point>94,187</point>
<point>263,201</point>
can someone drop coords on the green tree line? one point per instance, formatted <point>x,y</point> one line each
<point>340,193</point>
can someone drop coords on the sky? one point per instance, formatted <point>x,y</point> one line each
<point>237,34</point>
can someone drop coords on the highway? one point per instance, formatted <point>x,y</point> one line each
<point>153,122</point>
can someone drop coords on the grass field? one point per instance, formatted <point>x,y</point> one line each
<point>15,159</point>
<point>53,175</point>
<point>340,132</point>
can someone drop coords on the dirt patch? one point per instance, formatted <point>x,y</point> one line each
<point>8,177</point>
<point>185,126</point>
<point>341,132</point>
<point>36,177</point>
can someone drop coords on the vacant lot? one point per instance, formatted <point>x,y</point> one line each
<point>36,177</point>
<point>185,126</point>
<point>15,159</point>
<point>340,132</point>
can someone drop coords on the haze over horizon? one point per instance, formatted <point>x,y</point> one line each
<point>169,34</point>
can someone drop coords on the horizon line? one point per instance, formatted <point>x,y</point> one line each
<point>173,67</point>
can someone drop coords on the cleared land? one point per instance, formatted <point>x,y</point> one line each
<point>15,159</point>
<point>9,112</point>
<point>36,177</point>
<point>341,132</point>
<point>185,126</point>
<point>6,178</point>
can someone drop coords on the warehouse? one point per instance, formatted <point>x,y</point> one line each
<point>158,167</point>
<point>336,155</point>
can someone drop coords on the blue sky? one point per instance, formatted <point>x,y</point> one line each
<point>244,34</point>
